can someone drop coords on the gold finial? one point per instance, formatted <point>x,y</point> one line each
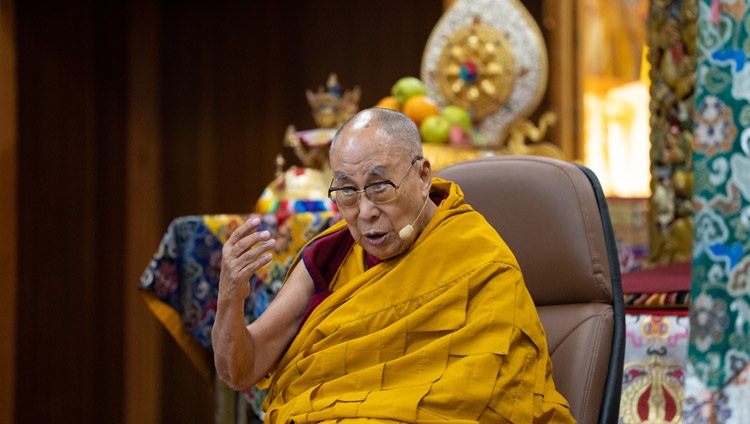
<point>329,107</point>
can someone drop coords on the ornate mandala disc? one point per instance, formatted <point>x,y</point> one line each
<point>487,56</point>
<point>476,70</point>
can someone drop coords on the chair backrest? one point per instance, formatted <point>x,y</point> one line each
<point>554,217</point>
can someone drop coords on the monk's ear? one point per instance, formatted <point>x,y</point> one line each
<point>425,173</point>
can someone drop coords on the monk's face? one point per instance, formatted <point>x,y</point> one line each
<point>364,154</point>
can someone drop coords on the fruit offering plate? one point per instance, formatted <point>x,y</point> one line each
<point>442,155</point>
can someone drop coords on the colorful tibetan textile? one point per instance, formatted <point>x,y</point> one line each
<point>180,285</point>
<point>394,342</point>
<point>660,287</point>
<point>664,300</point>
<point>720,310</point>
<point>653,378</point>
<point>728,406</point>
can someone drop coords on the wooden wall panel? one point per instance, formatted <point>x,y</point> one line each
<point>143,333</point>
<point>71,82</point>
<point>8,215</point>
<point>130,114</point>
<point>234,76</point>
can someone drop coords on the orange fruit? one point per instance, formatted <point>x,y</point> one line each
<point>419,107</point>
<point>389,102</point>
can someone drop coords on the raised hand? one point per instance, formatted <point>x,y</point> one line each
<point>246,251</point>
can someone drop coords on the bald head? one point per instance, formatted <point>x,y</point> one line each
<point>396,127</point>
<point>380,150</point>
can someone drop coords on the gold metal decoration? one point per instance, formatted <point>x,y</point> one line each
<point>525,139</point>
<point>476,69</point>
<point>489,57</point>
<point>528,139</point>
<point>330,108</point>
<point>442,155</point>
<point>672,54</point>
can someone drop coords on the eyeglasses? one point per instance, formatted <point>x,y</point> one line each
<point>378,192</point>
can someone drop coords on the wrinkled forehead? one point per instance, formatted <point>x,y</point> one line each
<point>365,162</point>
<point>369,150</point>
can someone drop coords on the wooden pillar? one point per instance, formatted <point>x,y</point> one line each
<point>143,338</point>
<point>8,181</point>
<point>559,20</point>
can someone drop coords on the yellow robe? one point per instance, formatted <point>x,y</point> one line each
<point>445,331</point>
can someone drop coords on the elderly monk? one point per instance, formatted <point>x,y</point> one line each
<point>412,309</point>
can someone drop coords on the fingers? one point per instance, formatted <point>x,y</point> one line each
<point>257,256</point>
<point>243,230</point>
<point>244,238</point>
<point>246,250</point>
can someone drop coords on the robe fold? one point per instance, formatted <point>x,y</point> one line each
<point>446,331</point>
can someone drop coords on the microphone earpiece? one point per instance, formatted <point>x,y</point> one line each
<point>406,232</point>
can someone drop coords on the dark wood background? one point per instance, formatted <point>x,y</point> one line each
<point>118,117</point>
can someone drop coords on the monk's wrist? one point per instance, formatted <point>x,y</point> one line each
<point>231,300</point>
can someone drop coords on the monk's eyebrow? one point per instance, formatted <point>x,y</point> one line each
<point>378,171</point>
<point>338,176</point>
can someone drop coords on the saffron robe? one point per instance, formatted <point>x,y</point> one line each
<point>445,331</point>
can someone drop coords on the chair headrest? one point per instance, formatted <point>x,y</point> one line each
<point>546,210</point>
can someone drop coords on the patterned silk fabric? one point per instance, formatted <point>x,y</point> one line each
<point>181,283</point>
<point>720,309</point>
<point>653,376</point>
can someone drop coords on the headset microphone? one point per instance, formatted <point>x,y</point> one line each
<point>407,231</point>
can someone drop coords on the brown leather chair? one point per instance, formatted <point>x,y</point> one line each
<point>554,217</point>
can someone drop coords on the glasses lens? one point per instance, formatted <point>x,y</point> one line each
<point>381,193</point>
<point>345,197</point>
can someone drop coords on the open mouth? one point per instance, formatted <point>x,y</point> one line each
<point>375,238</point>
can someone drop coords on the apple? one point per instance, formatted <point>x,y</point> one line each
<point>406,87</point>
<point>435,129</point>
<point>457,116</point>
<point>460,137</point>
